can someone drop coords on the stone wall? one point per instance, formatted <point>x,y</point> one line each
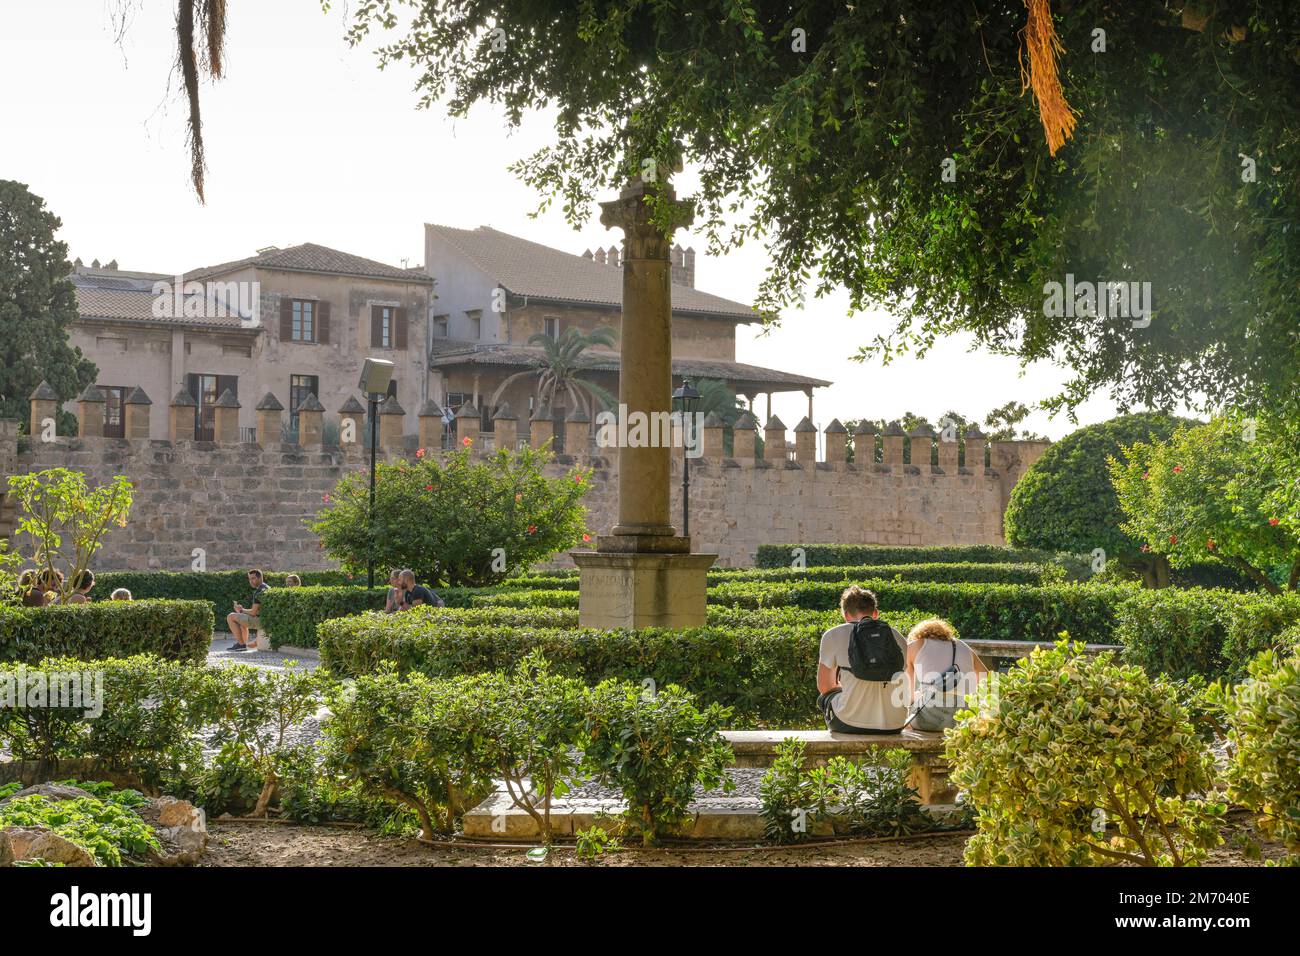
<point>245,504</point>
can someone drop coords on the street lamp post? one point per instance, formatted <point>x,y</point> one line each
<point>688,397</point>
<point>375,376</point>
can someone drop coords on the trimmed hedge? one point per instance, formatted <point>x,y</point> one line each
<point>762,665</point>
<point>973,572</point>
<point>221,589</point>
<point>290,615</point>
<point>849,555</point>
<point>1211,633</point>
<point>174,630</point>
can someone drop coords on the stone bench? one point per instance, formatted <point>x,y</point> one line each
<point>757,748</point>
<point>1013,649</point>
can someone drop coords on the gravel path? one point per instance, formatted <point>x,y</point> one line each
<point>271,660</point>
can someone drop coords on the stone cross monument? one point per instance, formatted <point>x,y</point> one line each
<point>643,574</point>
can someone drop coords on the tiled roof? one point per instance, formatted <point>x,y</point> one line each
<point>310,257</point>
<point>129,297</point>
<point>738,373</point>
<point>540,272</point>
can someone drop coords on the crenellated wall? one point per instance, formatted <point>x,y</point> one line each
<point>245,503</point>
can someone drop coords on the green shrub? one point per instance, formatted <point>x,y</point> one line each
<point>1200,631</point>
<point>221,589</point>
<point>852,555</point>
<point>656,748</point>
<point>761,664</point>
<point>1263,773</point>
<point>457,520</point>
<point>980,611</point>
<point>107,827</point>
<point>413,742</point>
<point>972,572</point>
<point>848,798</point>
<point>1073,760</point>
<point>176,630</point>
<point>290,615</point>
<point>526,599</point>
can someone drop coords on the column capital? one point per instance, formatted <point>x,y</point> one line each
<point>632,212</point>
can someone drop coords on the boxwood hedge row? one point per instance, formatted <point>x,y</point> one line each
<point>819,555</point>
<point>174,630</point>
<point>763,665</point>
<point>220,589</point>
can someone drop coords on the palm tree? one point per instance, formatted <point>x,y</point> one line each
<point>558,366</point>
<point>718,399</point>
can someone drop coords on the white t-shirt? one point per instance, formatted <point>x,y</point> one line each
<point>870,705</point>
<point>934,657</point>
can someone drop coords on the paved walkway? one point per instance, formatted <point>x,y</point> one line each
<point>271,660</point>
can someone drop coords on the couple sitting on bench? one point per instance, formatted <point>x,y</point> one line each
<point>873,681</point>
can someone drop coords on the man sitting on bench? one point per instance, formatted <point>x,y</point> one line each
<point>861,674</point>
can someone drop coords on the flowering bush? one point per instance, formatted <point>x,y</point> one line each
<point>461,521</point>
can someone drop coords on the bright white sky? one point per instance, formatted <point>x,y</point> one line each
<point>308,141</point>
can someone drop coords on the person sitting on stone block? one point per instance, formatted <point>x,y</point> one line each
<point>861,672</point>
<point>414,595</point>
<point>245,619</point>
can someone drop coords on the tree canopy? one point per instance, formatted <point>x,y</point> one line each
<point>37,304</point>
<point>891,148</point>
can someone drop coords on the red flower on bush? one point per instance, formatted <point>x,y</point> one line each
<point>1173,539</point>
<point>428,487</point>
<point>419,453</point>
<point>1178,469</point>
<point>578,479</point>
<point>586,537</point>
<point>532,529</point>
<point>467,441</point>
<point>1146,475</point>
<point>325,497</point>
<point>1210,544</point>
<point>1272,522</point>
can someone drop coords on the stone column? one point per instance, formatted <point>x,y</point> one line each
<point>864,446</point>
<point>643,574</point>
<point>645,373</point>
<point>352,411</point>
<point>467,426</point>
<point>774,440</point>
<point>892,446</point>
<point>712,438</point>
<point>429,423</point>
<point>506,426</point>
<point>805,443</point>
<point>268,419</point>
<point>180,425</point>
<point>391,415</point>
<point>90,413</point>
<point>837,448</point>
<point>311,423</point>
<point>743,437</point>
<point>577,431</point>
<point>541,427</point>
<point>225,414</point>
<point>44,403</point>
<point>136,414</point>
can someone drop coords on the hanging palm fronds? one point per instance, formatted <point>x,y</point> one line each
<point>207,20</point>
<point>1043,46</point>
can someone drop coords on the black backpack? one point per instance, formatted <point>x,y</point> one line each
<point>874,654</point>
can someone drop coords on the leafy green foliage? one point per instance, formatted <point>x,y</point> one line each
<point>290,615</point>
<point>834,155</point>
<point>1211,491</point>
<point>762,665</point>
<point>657,747</point>
<point>107,828</point>
<point>1263,715</point>
<point>840,796</point>
<point>37,305</point>
<point>1072,760</point>
<point>220,588</point>
<point>65,520</point>
<point>1201,632</point>
<point>1065,500</point>
<point>594,842</point>
<point>176,630</point>
<point>447,519</point>
<point>859,555</point>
